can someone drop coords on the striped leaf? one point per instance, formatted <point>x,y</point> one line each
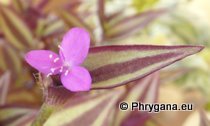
<point>101,15</point>
<point>25,120</point>
<point>14,29</point>
<point>53,28</point>
<point>112,66</point>
<point>136,119</point>
<point>24,97</point>
<point>54,5</point>
<point>86,109</point>
<point>11,114</point>
<point>71,19</point>
<point>132,24</point>
<point>145,91</point>
<point>10,59</point>
<point>4,87</point>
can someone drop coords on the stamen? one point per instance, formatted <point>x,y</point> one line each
<point>55,60</point>
<point>66,73</point>
<point>49,74</point>
<point>60,47</point>
<point>56,68</point>
<point>61,52</point>
<point>50,56</point>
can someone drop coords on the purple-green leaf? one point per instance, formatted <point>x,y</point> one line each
<point>132,24</point>
<point>144,90</point>
<point>112,66</point>
<point>204,121</point>
<point>4,87</point>
<point>16,116</point>
<point>15,29</point>
<point>93,108</point>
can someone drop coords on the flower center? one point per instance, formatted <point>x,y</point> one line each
<point>66,66</point>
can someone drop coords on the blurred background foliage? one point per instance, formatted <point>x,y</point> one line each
<point>40,24</point>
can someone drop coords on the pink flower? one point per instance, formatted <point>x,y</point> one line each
<point>73,51</point>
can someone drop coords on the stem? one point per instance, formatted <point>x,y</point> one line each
<point>44,113</point>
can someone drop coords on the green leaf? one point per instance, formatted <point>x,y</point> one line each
<point>112,66</point>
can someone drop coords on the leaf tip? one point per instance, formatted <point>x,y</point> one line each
<point>195,49</point>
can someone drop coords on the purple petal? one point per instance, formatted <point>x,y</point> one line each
<point>44,61</point>
<point>75,46</point>
<point>77,79</point>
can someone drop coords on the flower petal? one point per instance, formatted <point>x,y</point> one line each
<point>78,79</point>
<point>75,46</point>
<point>44,61</point>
